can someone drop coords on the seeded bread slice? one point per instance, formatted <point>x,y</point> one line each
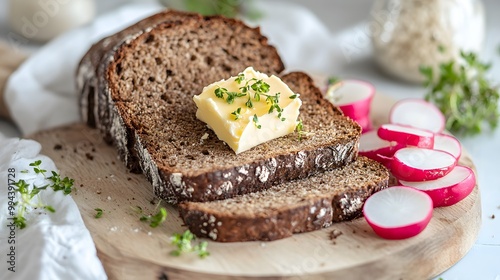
<point>146,107</point>
<point>94,63</point>
<point>293,207</point>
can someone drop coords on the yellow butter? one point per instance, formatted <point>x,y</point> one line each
<point>243,133</point>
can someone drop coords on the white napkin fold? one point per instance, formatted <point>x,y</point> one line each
<point>53,245</point>
<point>41,94</point>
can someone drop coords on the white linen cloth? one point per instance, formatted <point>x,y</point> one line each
<point>52,246</point>
<point>41,94</point>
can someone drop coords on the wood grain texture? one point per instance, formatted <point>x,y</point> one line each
<point>130,249</point>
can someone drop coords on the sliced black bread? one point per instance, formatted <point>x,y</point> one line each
<point>145,100</point>
<point>293,207</point>
<point>95,61</point>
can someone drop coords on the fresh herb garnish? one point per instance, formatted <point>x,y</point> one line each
<point>183,242</point>
<point>333,80</point>
<point>219,92</point>
<point>237,114</point>
<point>255,120</point>
<point>463,94</point>
<point>254,87</point>
<point>240,78</point>
<point>157,219</point>
<point>29,196</point>
<point>98,213</point>
<point>300,129</point>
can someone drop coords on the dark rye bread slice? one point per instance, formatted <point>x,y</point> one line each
<point>184,164</point>
<point>95,61</point>
<point>292,207</point>
<point>92,76</point>
<point>146,99</point>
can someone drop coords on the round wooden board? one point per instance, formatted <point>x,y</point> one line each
<point>130,249</point>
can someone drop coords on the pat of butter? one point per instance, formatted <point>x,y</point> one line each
<point>244,133</point>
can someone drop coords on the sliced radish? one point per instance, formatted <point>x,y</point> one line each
<point>398,212</point>
<point>418,164</point>
<point>354,98</point>
<point>417,113</point>
<point>371,146</point>
<point>448,144</point>
<point>407,135</point>
<point>449,189</point>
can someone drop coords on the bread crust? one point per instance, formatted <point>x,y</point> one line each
<point>312,213</point>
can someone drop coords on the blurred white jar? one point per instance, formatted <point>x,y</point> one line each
<point>42,20</point>
<point>409,33</point>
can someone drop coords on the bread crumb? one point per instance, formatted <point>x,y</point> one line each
<point>89,156</point>
<point>150,233</point>
<point>334,234</point>
<point>98,192</point>
<point>113,229</point>
<point>262,244</point>
<point>109,197</point>
<point>57,147</point>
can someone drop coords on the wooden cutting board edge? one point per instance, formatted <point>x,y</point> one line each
<point>435,256</point>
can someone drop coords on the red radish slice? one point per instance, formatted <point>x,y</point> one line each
<point>448,143</point>
<point>407,135</point>
<point>398,212</point>
<point>354,98</point>
<point>418,164</point>
<point>371,146</point>
<point>417,113</point>
<point>450,189</point>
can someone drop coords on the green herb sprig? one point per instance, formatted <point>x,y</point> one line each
<point>253,89</point>
<point>464,95</point>
<point>230,95</point>
<point>98,213</point>
<point>29,196</point>
<point>156,219</point>
<point>299,129</point>
<point>183,242</point>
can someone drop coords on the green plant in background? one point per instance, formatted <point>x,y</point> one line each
<point>463,93</point>
<point>227,8</point>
